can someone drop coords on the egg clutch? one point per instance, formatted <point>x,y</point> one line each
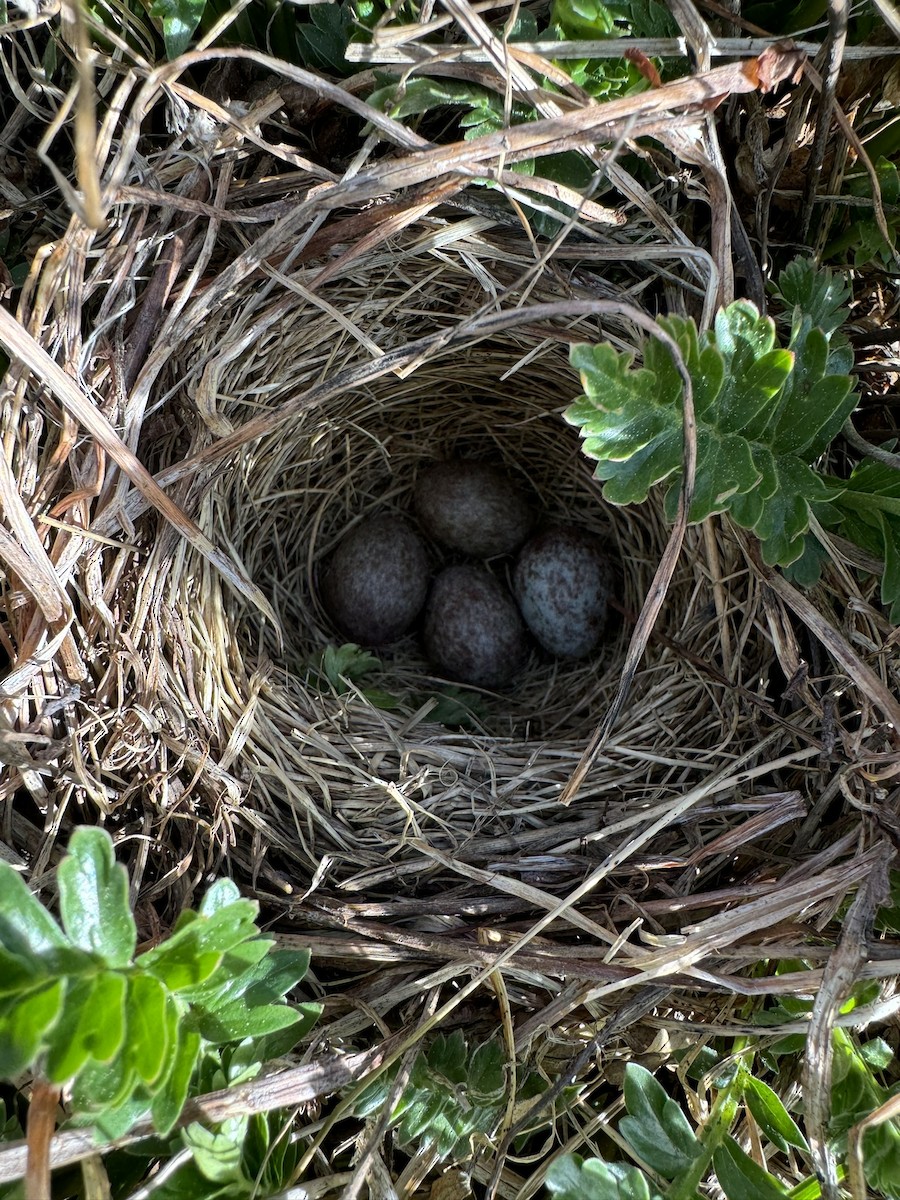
<point>379,581</point>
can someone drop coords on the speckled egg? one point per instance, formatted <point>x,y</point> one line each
<point>473,631</point>
<point>561,581</point>
<point>472,507</point>
<point>376,582</point>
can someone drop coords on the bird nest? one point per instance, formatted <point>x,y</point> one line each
<point>202,399</point>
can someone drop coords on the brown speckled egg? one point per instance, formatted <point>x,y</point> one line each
<point>377,580</point>
<point>473,631</point>
<point>561,581</point>
<point>472,507</point>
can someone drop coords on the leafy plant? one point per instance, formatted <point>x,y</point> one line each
<point>349,664</point>
<point>862,239</point>
<point>674,1158</point>
<point>452,1093</point>
<point>765,414</point>
<point>124,1032</point>
<point>177,20</point>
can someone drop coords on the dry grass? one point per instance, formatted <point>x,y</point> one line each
<point>279,350</point>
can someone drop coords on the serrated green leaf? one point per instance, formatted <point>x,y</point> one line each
<point>569,1178</point>
<point>422,1116</point>
<point>655,1126</point>
<point>150,1014</point>
<point>24,1024</point>
<point>741,1178</point>
<point>818,292</point>
<point>217,1152</point>
<point>197,947</point>
<point>784,519</point>
<point>26,928</point>
<point>104,1086</point>
<point>763,413</point>
<point>91,1025</point>
<point>170,1097</point>
<point>323,40</point>
<point>178,20</point>
<point>447,1057</point>
<point>742,334</point>
<point>349,661</point>
<point>486,1074</point>
<point>93,898</point>
<point>814,405</point>
<point>771,1116</point>
<point>219,895</point>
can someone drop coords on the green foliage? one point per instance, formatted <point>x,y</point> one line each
<point>855,1093</point>
<point>861,239</point>
<point>340,666</point>
<point>322,40</point>
<point>452,1093</point>
<point>178,20</point>
<point>866,510</point>
<point>765,414</point>
<point>674,1159</point>
<point>656,1127</point>
<point>571,1178</point>
<point>126,1033</point>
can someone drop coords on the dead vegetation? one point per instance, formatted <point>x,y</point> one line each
<point>227,348</point>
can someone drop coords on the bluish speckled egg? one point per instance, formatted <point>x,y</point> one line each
<point>561,581</point>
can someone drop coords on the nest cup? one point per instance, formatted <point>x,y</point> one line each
<point>327,780</point>
<point>361,455</point>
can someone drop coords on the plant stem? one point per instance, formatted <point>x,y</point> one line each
<point>41,1126</point>
<point>711,1136</point>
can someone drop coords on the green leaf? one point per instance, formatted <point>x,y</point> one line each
<point>741,1178</point>
<point>170,1097</point>
<point>570,1178</point>
<point>150,1012</point>
<point>583,19</point>
<point>233,1022</point>
<point>26,928</point>
<point>91,1025</point>
<point>178,20</point>
<point>655,1126</point>
<point>349,661</point>
<point>814,404</point>
<point>771,1116</point>
<point>487,1074</point>
<point>17,974</point>
<point>93,898</point>
<point>197,946</point>
<point>323,40</point>
<point>217,1152</point>
<point>104,1087</point>
<point>220,894</point>
<point>763,414</point>
<point>877,1054</point>
<point>421,95</point>
<point>24,1024</point>
<point>817,292</point>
